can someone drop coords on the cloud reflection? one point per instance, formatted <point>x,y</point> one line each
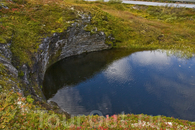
<point>119,70</point>
<point>160,84</point>
<point>151,58</point>
<point>69,98</point>
<point>178,95</point>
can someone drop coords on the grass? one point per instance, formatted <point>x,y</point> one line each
<point>167,1</point>
<point>155,27</point>
<point>27,22</point>
<point>132,26</point>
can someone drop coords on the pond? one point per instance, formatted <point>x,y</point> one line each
<point>123,81</point>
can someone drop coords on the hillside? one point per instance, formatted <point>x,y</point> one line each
<point>30,31</point>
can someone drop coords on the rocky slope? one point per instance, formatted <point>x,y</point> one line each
<point>74,41</point>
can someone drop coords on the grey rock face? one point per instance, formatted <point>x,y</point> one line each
<point>74,41</point>
<point>3,6</point>
<point>12,72</point>
<point>25,71</point>
<point>9,67</point>
<point>5,51</point>
<point>5,58</point>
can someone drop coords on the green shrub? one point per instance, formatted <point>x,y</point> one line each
<point>29,99</point>
<point>115,1</point>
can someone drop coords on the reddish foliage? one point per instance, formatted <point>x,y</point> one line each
<point>115,117</point>
<point>2,27</point>
<point>14,9</point>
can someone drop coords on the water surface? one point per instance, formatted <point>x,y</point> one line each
<point>117,81</point>
<point>177,5</point>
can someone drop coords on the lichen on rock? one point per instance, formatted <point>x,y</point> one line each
<point>74,41</point>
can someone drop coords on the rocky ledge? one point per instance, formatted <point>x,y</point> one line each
<point>74,41</point>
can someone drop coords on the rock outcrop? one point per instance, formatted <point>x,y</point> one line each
<point>74,41</point>
<point>11,73</point>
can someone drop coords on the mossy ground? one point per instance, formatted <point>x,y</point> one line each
<point>18,112</point>
<point>132,26</point>
<point>150,27</point>
<point>169,1</point>
<point>25,23</point>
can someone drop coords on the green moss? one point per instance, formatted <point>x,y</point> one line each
<point>2,68</point>
<point>109,24</point>
<point>29,99</point>
<point>54,57</point>
<point>6,81</point>
<point>147,27</point>
<point>26,26</point>
<point>2,75</point>
<point>20,73</point>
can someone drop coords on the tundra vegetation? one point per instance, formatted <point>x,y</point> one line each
<point>170,1</point>
<point>24,23</point>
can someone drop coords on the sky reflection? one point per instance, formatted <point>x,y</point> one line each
<point>148,82</point>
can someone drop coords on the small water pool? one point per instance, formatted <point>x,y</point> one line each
<point>123,81</point>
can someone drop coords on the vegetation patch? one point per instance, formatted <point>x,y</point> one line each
<point>18,112</point>
<point>25,25</point>
<point>170,1</point>
<point>151,27</point>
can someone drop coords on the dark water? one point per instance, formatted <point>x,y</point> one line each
<point>117,81</point>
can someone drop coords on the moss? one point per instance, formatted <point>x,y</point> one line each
<point>2,68</point>
<point>2,75</point>
<point>27,24</point>
<point>29,99</point>
<point>140,27</point>
<point>38,91</point>
<point>109,24</point>
<point>6,81</point>
<point>54,58</point>
<point>20,73</point>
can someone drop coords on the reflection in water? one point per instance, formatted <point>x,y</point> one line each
<point>68,99</point>
<point>77,69</point>
<point>118,81</point>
